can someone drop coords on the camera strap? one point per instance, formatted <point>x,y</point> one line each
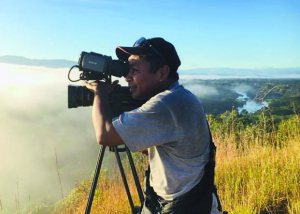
<point>212,162</point>
<point>151,195</point>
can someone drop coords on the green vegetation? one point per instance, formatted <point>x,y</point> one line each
<point>218,96</point>
<point>258,165</point>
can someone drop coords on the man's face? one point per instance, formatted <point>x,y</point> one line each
<point>142,83</point>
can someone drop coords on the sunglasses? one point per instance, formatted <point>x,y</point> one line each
<point>142,42</point>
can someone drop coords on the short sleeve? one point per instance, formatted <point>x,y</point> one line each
<point>147,126</point>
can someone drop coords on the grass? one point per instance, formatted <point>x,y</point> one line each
<point>258,171</point>
<point>110,195</point>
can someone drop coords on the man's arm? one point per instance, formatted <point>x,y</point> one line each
<point>102,115</point>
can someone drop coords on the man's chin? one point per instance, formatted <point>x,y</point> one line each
<point>137,96</point>
<point>134,95</point>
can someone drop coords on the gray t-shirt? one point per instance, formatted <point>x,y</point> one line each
<point>172,125</point>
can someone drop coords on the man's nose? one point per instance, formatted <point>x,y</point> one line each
<point>128,77</point>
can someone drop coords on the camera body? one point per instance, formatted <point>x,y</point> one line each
<point>98,67</point>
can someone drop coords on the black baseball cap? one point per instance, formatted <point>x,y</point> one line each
<point>148,47</point>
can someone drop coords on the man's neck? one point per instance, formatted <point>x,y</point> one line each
<point>168,83</point>
<point>162,87</point>
<point>165,85</point>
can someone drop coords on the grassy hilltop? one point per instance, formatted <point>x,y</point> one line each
<point>258,154</point>
<point>258,169</point>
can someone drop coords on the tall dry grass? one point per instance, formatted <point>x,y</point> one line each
<point>110,195</point>
<point>258,170</point>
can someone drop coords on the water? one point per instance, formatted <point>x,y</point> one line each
<point>250,106</point>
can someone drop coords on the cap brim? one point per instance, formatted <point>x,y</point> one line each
<point>123,53</point>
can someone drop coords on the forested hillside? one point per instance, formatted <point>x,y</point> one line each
<point>218,96</point>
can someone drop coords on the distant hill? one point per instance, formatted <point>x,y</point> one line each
<point>49,63</point>
<point>240,72</point>
<point>206,72</point>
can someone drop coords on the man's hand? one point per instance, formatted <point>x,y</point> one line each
<point>106,134</point>
<point>100,88</point>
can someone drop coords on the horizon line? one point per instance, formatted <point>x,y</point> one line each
<point>179,69</point>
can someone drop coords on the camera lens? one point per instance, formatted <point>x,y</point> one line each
<point>79,96</point>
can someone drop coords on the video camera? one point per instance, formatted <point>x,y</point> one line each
<point>99,67</point>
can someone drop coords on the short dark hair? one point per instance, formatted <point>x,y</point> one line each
<point>156,62</point>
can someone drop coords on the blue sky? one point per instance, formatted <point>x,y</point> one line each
<point>206,34</point>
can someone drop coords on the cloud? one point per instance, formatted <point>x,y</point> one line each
<point>201,90</point>
<point>242,88</point>
<point>35,120</point>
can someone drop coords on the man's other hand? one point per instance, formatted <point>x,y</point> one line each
<point>100,87</point>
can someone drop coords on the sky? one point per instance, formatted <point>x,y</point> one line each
<point>206,34</point>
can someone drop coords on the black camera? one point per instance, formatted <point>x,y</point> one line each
<point>98,67</point>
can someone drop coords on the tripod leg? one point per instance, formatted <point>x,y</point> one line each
<point>124,179</point>
<point>95,180</point>
<point>135,176</point>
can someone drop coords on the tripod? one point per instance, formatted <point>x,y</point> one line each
<point>116,150</point>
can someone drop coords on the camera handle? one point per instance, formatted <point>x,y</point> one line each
<point>116,150</point>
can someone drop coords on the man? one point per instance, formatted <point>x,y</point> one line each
<point>171,125</point>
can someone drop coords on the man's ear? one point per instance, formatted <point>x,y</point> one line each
<point>164,73</point>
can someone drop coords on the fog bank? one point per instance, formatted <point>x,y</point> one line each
<point>35,121</point>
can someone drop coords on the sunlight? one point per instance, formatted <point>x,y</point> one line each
<point>22,74</point>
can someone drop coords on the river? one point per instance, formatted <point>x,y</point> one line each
<point>250,106</point>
